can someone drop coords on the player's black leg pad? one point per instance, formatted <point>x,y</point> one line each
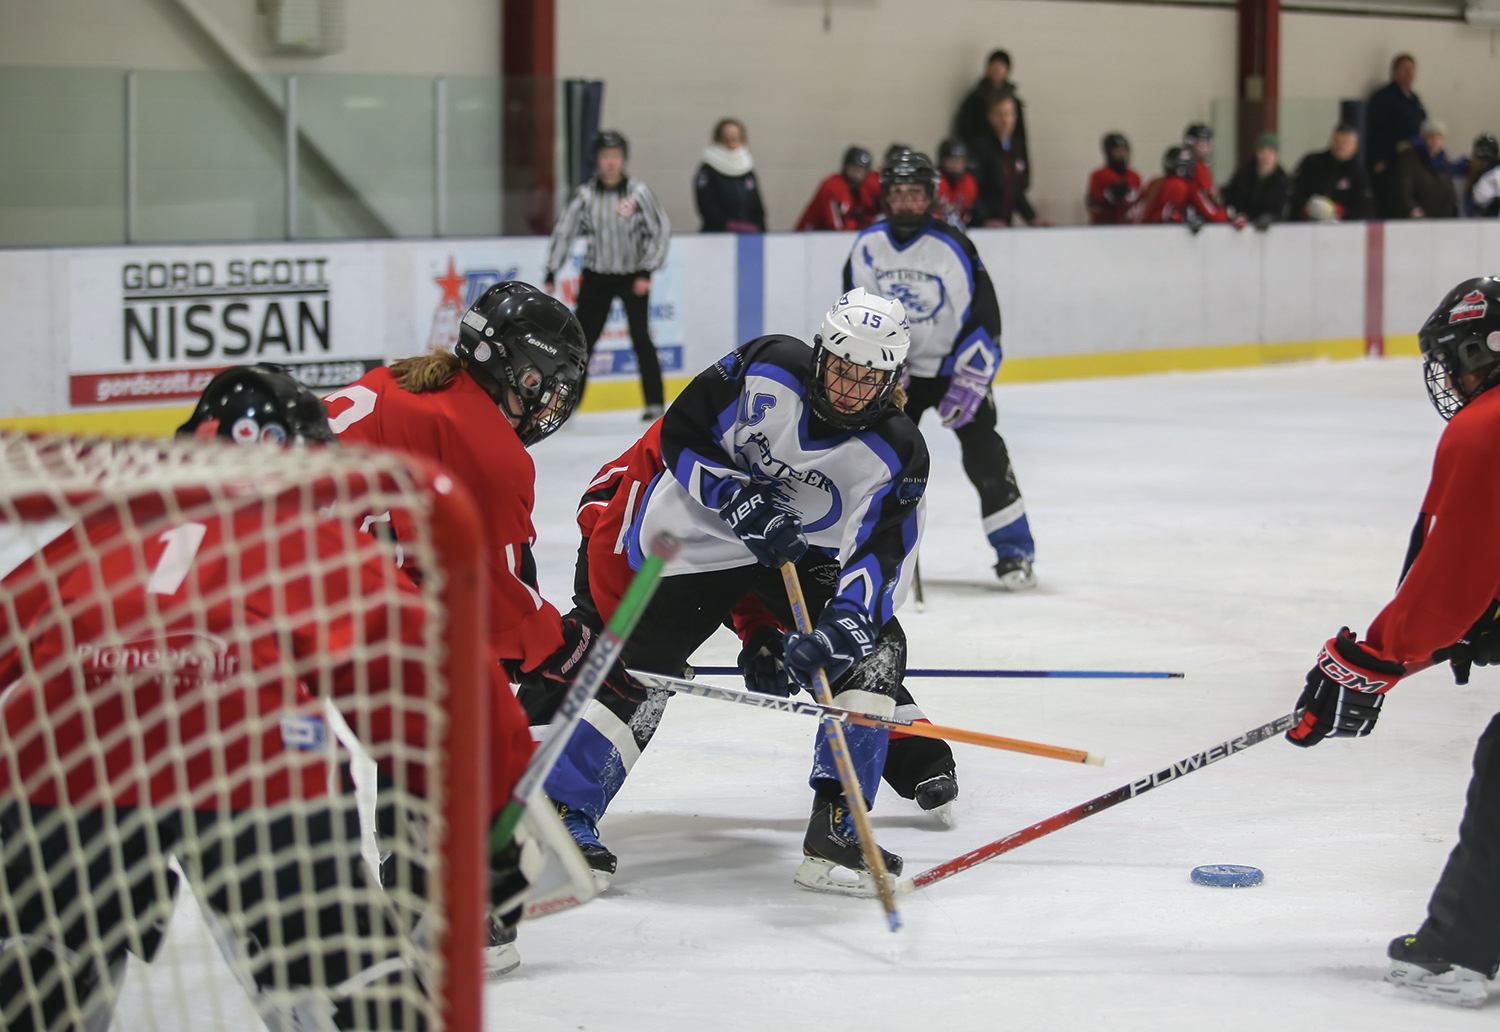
<point>539,697</point>
<point>911,761</point>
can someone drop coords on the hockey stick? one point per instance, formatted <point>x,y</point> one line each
<point>596,666</point>
<point>1140,786</point>
<point>849,778</point>
<point>916,586</point>
<point>915,728</point>
<point>986,674</point>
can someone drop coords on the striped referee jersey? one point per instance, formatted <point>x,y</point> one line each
<point>626,229</point>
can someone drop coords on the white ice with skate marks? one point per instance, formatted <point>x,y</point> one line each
<point>1223,524</point>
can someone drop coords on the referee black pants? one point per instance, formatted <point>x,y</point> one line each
<point>596,292</point>
<point>1463,917</point>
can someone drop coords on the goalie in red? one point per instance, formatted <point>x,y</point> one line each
<point>164,697</point>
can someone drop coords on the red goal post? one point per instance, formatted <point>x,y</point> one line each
<point>228,714</point>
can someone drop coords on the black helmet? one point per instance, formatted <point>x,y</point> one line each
<point>252,403</point>
<point>1113,140</point>
<point>606,138</point>
<point>1178,161</point>
<point>912,167</point>
<point>1485,148</point>
<point>857,156</point>
<point>1461,344</point>
<point>1197,132</point>
<point>525,349</point>
<point>952,147</point>
<point>894,152</point>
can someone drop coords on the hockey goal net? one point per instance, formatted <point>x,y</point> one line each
<point>242,734</point>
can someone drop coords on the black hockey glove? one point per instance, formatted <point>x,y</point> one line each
<point>1480,646</point>
<point>842,638</point>
<point>578,634</point>
<point>763,662</point>
<point>1343,693</point>
<point>772,532</point>
<point>1117,193</point>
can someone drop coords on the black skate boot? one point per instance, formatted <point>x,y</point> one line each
<point>500,954</point>
<point>600,860</point>
<point>936,795</point>
<point>1015,574</point>
<point>830,844</point>
<point>1415,967</point>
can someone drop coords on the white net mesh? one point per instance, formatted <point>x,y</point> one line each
<point>227,731</point>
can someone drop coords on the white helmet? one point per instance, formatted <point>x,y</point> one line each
<point>868,331</point>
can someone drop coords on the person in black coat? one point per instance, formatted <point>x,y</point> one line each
<point>1336,176</point>
<point>971,122</point>
<point>1393,115</point>
<point>727,193</point>
<point>1000,170</point>
<point>1259,190</point>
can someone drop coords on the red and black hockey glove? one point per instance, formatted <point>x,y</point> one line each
<point>578,634</point>
<point>1480,645</point>
<point>1344,691</point>
<point>763,662</point>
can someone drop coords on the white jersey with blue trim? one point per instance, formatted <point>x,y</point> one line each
<point>939,279</point>
<point>859,493</point>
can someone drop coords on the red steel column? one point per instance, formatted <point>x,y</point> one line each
<point>528,71</point>
<point>1258,71</point>
<point>1374,288</point>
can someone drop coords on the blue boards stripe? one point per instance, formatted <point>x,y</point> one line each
<point>750,286</point>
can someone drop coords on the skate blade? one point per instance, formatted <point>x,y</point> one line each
<point>1017,580</point>
<point>821,875</point>
<point>601,878</point>
<point>1457,986</point>
<point>501,960</point>
<point>943,814</point>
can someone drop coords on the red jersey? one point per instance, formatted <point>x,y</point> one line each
<point>834,206</point>
<point>462,428</point>
<point>1456,572</point>
<point>1203,178</point>
<point>185,686</point>
<point>1169,198</point>
<point>955,199</point>
<point>869,196</point>
<point>1111,193</point>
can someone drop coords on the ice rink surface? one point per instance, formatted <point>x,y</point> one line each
<point>1223,524</point>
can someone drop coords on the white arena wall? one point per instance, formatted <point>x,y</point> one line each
<point>118,339</point>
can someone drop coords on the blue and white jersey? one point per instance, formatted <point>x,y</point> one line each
<point>859,493</point>
<point>940,281</point>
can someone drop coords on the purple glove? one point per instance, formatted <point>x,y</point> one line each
<point>966,392</point>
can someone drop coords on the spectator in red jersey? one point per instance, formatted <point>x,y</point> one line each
<point>1175,197</point>
<point>1001,170</point>
<point>837,203</point>
<point>869,190</point>
<point>1114,187</point>
<point>1200,139</point>
<point>956,190</point>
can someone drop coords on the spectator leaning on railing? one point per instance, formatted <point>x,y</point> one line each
<point>1175,196</point>
<point>627,234</point>
<point>725,188</point>
<point>1484,157</point>
<point>1393,116</point>
<point>1000,170</point>
<point>1422,183</point>
<point>1114,187</point>
<point>1259,190</point>
<point>1331,185</point>
<point>836,204</point>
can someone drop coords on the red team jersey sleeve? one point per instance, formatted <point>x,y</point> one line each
<point>461,428</point>
<point>830,207</point>
<point>1456,572</point>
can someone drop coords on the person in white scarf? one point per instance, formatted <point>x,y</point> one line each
<point>727,192</point>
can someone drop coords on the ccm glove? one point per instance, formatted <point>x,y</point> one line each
<point>578,635</point>
<point>1480,646</point>
<point>842,638</point>
<point>763,662</point>
<point>966,392</point>
<point>1344,692</point>
<point>771,532</point>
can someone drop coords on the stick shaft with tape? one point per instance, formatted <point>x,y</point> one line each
<point>849,778</point>
<point>1141,786</point>
<point>917,729</point>
<point>601,658</point>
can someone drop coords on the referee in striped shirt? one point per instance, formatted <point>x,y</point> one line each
<point>627,241</point>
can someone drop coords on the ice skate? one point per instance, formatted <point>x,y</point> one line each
<point>1015,574</point>
<point>600,860</point>
<point>831,860</point>
<point>500,955</point>
<point>1415,968</point>
<point>936,795</point>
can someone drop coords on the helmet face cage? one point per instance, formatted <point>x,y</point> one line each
<point>824,398</point>
<point>1460,344</point>
<point>912,168</point>
<point>546,400</point>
